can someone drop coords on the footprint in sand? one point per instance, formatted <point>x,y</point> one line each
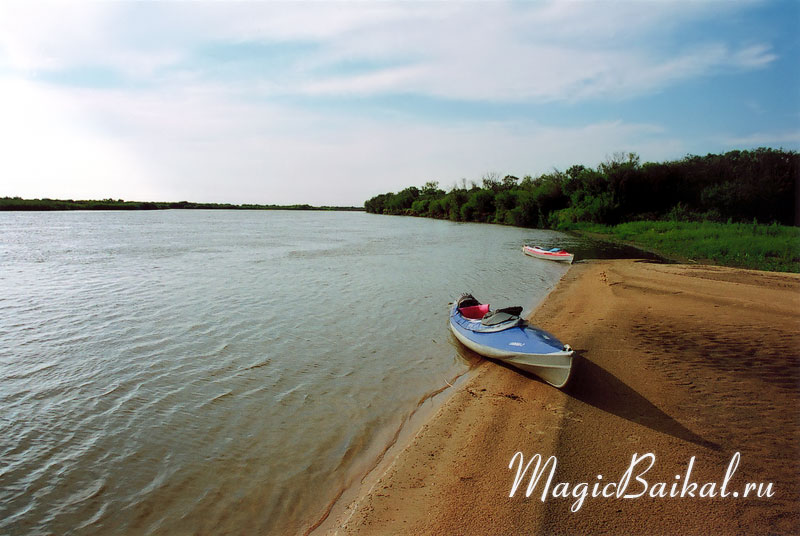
<point>557,410</point>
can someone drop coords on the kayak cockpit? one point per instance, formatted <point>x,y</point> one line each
<point>474,312</point>
<point>507,314</point>
<point>481,317</point>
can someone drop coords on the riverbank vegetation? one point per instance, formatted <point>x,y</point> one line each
<point>16,203</point>
<point>727,208</point>
<point>743,245</point>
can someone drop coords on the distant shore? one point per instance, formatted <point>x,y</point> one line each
<point>688,364</point>
<point>19,204</point>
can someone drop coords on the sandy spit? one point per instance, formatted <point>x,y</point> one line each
<point>677,361</point>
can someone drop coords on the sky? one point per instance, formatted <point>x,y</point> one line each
<point>331,103</point>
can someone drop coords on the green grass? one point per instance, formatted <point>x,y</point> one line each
<point>741,245</point>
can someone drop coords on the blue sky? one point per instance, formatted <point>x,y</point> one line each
<point>332,103</point>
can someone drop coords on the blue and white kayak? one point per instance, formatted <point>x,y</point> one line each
<point>505,336</point>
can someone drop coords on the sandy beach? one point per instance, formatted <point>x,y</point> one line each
<point>675,362</point>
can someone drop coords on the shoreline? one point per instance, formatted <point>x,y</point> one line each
<point>17,204</point>
<point>689,363</point>
<point>363,482</point>
<point>342,505</point>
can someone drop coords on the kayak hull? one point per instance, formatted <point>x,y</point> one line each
<point>521,345</point>
<point>539,253</point>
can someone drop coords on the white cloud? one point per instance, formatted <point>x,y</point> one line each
<point>475,51</point>
<point>754,56</point>
<point>184,131</point>
<point>38,37</point>
<point>50,151</point>
<point>205,144</point>
<point>789,139</point>
<point>545,52</point>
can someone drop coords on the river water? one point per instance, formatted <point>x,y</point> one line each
<point>177,372</point>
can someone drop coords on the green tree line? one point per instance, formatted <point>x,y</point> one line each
<point>739,186</point>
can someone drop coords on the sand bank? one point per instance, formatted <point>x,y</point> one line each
<point>677,361</point>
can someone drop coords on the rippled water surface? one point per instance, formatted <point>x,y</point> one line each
<point>224,371</point>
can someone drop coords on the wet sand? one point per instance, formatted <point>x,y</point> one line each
<point>675,360</point>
